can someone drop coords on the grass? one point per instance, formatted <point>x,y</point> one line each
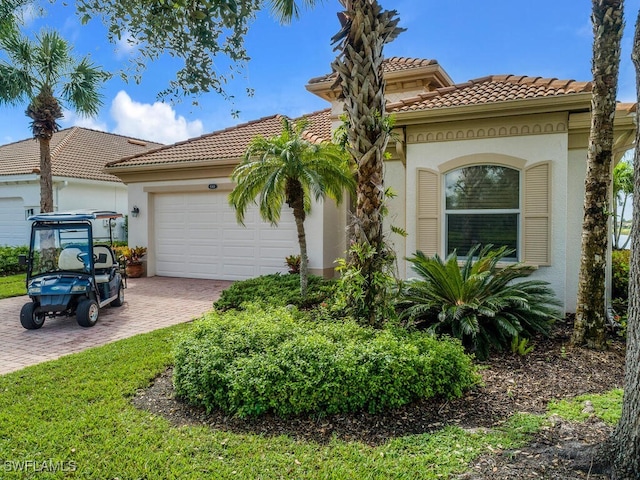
<point>13,285</point>
<point>607,407</point>
<point>72,418</point>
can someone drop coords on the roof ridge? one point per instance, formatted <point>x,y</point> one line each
<point>62,143</point>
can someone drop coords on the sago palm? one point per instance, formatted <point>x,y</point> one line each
<point>479,302</point>
<point>44,74</point>
<point>290,169</point>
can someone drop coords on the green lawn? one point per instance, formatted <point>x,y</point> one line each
<point>72,418</point>
<point>12,285</point>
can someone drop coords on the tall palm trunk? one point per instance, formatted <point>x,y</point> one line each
<point>44,111</point>
<point>295,200</point>
<point>46,177</point>
<point>365,30</point>
<point>626,437</point>
<point>590,322</point>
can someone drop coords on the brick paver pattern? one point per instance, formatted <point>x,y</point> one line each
<point>150,303</point>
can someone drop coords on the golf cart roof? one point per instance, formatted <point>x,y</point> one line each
<point>74,215</point>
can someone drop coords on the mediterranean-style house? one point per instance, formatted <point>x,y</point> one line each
<point>78,157</point>
<point>499,159</point>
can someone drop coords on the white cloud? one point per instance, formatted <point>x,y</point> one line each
<point>157,122</point>
<point>125,45</point>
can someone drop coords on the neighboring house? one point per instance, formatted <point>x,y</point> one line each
<point>78,157</point>
<point>500,159</point>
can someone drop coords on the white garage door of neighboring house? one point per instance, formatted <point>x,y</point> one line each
<point>13,226</point>
<point>197,236</point>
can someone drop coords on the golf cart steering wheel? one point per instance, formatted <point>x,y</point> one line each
<point>82,256</point>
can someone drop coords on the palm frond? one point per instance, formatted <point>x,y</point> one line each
<point>484,302</point>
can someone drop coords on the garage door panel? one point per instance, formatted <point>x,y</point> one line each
<point>197,236</point>
<point>14,229</point>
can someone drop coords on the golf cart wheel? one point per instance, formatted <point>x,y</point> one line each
<point>30,317</point>
<point>120,300</point>
<point>87,313</point>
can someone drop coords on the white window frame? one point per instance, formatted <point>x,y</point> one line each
<point>518,211</point>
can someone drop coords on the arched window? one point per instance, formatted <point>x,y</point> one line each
<point>482,205</point>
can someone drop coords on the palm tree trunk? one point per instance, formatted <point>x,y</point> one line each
<point>626,437</point>
<point>295,199</point>
<point>46,178</point>
<point>590,322</point>
<point>365,30</point>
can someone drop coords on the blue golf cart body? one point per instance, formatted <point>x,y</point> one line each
<point>67,273</point>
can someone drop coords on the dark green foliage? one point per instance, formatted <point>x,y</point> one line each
<point>276,290</point>
<point>479,302</point>
<point>9,260</point>
<point>620,274</point>
<point>255,361</point>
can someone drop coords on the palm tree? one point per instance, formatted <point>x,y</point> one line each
<point>622,190</point>
<point>590,321</point>
<point>624,443</point>
<point>44,74</point>
<point>365,30</point>
<point>289,168</point>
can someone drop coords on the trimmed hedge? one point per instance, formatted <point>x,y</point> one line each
<point>9,260</point>
<point>250,362</point>
<point>275,289</point>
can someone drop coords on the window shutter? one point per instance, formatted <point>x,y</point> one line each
<point>428,222</point>
<point>537,217</point>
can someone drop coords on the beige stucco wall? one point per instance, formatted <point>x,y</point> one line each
<point>575,211</point>
<point>551,147</point>
<point>395,178</point>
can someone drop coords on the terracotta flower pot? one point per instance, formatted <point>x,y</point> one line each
<point>134,270</point>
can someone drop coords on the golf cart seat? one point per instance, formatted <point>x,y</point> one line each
<point>69,260</point>
<point>103,263</point>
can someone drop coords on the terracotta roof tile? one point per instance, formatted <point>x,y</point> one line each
<point>392,64</point>
<point>227,144</point>
<point>496,88</point>
<point>75,152</point>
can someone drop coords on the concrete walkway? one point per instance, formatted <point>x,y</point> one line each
<point>150,303</point>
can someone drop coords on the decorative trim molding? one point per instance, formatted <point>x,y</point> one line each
<point>506,127</point>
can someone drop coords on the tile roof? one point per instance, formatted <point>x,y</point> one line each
<point>227,144</point>
<point>75,152</point>
<point>392,64</point>
<point>491,89</point>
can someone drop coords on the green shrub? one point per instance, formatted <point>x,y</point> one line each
<point>276,290</point>
<point>620,276</point>
<point>250,362</point>
<point>478,302</point>
<point>9,260</point>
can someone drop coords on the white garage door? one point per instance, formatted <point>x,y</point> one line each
<point>197,236</point>
<point>13,226</point>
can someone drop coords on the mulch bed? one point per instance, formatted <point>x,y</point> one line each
<point>512,384</point>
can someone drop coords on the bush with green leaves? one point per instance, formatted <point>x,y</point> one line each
<point>481,302</point>
<point>275,289</point>
<point>9,259</point>
<point>620,276</point>
<point>257,360</point>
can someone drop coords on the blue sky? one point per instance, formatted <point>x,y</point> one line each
<point>469,38</point>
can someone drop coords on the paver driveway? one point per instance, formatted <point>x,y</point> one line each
<point>150,303</point>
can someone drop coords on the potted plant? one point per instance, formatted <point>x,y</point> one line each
<point>132,259</point>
